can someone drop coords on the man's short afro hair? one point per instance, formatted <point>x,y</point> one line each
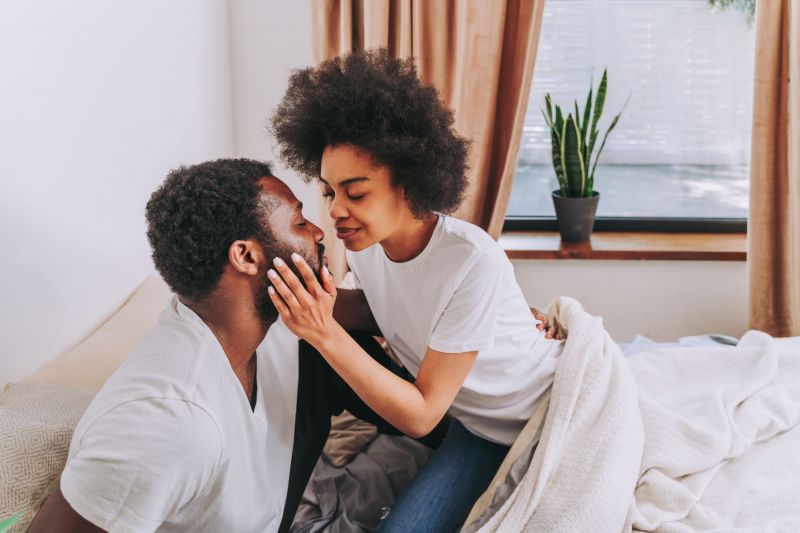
<point>195,215</point>
<point>377,103</point>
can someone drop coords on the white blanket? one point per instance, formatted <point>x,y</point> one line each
<point>678,440</point>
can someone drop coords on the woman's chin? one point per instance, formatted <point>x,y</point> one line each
<point>356,245</point>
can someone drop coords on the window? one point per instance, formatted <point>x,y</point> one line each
<point>679,157</point>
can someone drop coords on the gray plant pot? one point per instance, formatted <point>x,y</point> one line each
<point>575,216</point>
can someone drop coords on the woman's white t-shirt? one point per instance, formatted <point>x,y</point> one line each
<point>460,295</point>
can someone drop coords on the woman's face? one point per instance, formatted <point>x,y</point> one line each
<point>365,206</point>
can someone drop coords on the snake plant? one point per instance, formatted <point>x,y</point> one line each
<point>573,141</point>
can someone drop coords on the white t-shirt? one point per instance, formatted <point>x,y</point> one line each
<point>460,295</point>
<point>171,443</point>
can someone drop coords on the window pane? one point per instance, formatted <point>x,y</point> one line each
<point>682,145</point>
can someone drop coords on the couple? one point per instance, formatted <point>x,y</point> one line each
<point>217,417</point>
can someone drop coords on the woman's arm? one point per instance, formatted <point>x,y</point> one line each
<point>352,312</point>
<point>413,408</point>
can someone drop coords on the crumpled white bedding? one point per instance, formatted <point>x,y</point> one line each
<point>681,439</point>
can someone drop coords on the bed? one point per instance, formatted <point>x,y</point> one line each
<point>352,492</point>
<point>360,472</point>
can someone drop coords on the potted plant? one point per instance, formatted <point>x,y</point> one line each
<point>573,141</point>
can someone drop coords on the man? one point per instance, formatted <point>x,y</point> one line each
<point>216,419</point>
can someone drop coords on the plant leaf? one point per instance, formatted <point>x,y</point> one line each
<point>558,164</point>
<point>599,103</point>
<point>547,120</point>
<point>559,120</point>
<point>555,142</point>
<point>597,157</point>
<point>585,124</point>
<point>572,157</point>
<point>610,127</point>
<point>6,524</point>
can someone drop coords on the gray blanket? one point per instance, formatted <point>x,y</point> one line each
<point>355,497</point>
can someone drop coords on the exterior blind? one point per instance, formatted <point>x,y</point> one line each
<point>687,69</point>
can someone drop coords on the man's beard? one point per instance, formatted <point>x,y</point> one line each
<point>266,309</point>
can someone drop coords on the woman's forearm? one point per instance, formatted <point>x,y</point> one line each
<point>396,400</point>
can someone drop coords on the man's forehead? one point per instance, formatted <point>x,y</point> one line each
<point>278,191</point>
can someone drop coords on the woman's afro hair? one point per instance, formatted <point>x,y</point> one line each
<point>377,103</point>
<point>195,215</point>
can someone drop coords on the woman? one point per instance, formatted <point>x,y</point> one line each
<point>440,290</point>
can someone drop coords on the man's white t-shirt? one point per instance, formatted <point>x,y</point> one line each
<point>460,295</point>
<point>171,443</point>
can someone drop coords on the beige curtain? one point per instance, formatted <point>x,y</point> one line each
<point>773,253</point>
<point>479,54</point>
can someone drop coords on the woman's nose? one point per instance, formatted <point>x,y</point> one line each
<point>336,210</point>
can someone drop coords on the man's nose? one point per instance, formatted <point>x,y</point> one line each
<point>317,232</point>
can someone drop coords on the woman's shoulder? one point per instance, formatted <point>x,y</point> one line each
<point>463,234</point>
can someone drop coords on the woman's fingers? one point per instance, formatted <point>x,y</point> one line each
<point>327,282</point>
<point>278,302</point>
<point>310,279</point>
<point>282,285</point>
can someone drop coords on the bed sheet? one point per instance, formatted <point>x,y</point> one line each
<point>352,498</point>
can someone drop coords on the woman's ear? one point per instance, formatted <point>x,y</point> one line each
<point>246,257</point>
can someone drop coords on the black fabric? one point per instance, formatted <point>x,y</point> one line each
<point>321,393</point>
<point>254,394</point>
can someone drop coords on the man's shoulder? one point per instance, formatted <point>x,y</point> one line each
<point>171,363</point>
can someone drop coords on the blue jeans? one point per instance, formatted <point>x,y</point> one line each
<point>440,498</point>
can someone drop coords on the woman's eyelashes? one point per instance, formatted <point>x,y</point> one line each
<point>353,197</point>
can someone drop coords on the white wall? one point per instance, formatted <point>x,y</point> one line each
<point>98,100</point>
<point>269,38</point>
<point>663,300</point>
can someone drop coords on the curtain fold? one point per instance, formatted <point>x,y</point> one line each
<point>479,54</point>
<point>773,253</point>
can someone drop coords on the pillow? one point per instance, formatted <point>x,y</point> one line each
<point>36,425</point>
<point>89,364</point>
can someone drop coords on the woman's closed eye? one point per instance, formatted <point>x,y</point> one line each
<point>353,197</point>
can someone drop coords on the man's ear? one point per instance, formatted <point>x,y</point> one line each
<point>246,257</point>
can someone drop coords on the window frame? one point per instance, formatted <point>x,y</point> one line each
<point>635,224</point>
<point>695,224</point>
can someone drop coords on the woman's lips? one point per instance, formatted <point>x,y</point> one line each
<point>346,233</point>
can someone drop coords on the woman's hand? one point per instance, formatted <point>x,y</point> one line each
<point>550,331</point>
<point>306,310</point>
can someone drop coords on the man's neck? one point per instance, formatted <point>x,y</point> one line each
<point>239,329</point>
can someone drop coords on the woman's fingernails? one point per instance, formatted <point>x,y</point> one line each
<point>296,258</point>
<point>326,271</point>
<point>271,273</point>
<point>278,261</point>
<point>270,290</point>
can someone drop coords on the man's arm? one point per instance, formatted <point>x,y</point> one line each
<point>56,516</point>
<point>352,311</point>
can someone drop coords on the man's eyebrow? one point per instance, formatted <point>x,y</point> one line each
<point>298,206</point>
